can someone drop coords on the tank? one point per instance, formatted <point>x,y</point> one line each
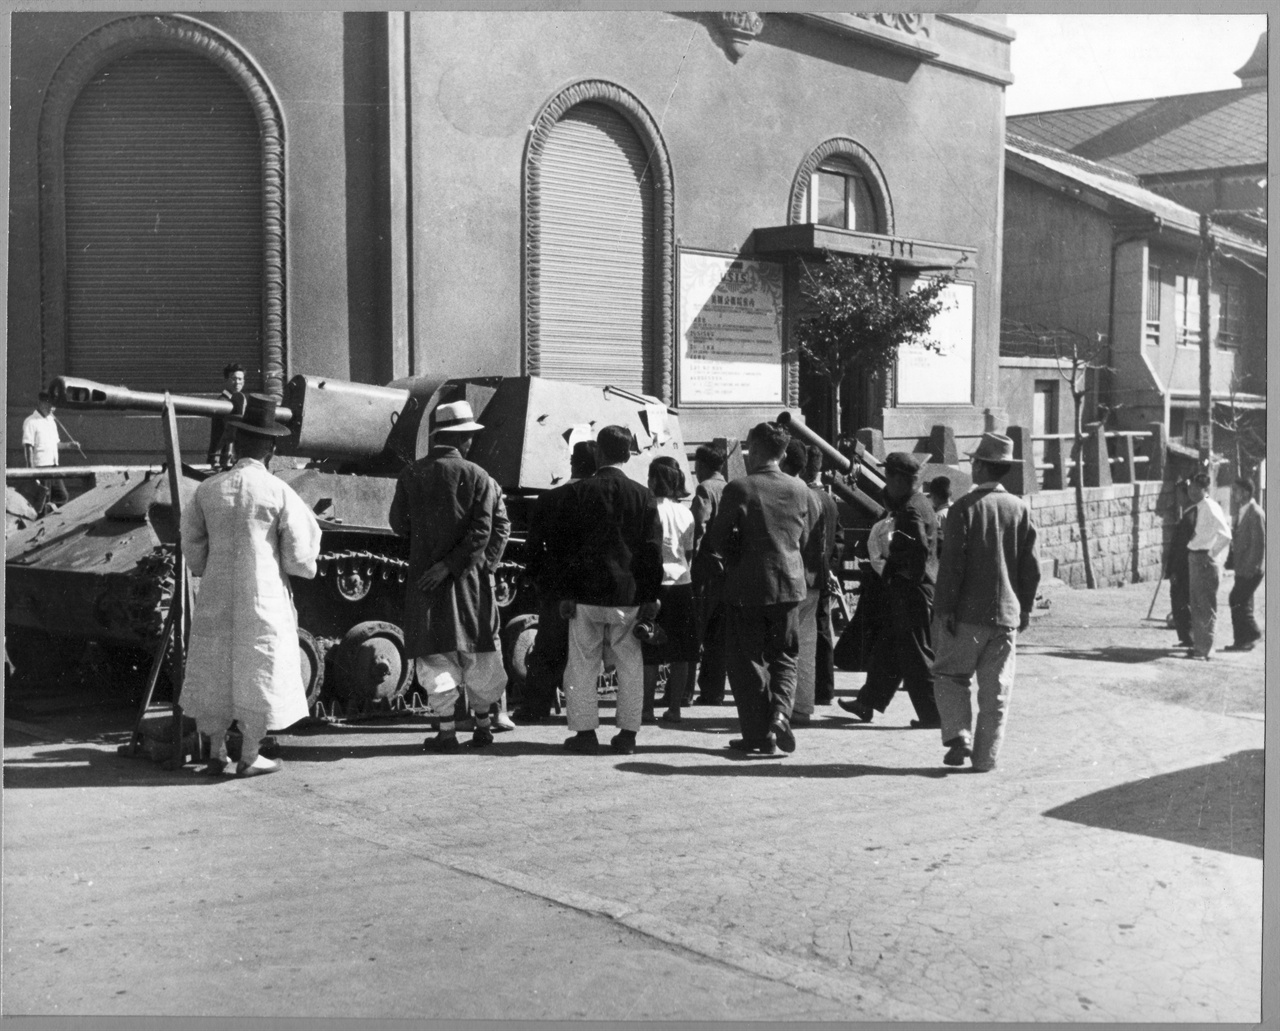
<point>101,569</point>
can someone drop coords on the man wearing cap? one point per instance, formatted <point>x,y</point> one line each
<point>40,449</point>
<point>245,532</point>
<point>903,651</point>
<point>1205,553</point>
<point>614,537</point>
<point>545,564</point>
<point>761,534</point>
<point>453,514</point>
<point>221,452</point>
<point>987,582</point>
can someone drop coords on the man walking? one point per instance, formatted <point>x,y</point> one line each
<point>987,582</point>
<point>452,512</point>
<point>824,680</point>
<point>545,566</point>
<point>615,539</point>
<point>1205,552</point>
<point>244,534</point>
<point>761,533</point>
<point>708,467</point>
<point>1249,556</point>
<point>903,652</point>
<point>40,449</point>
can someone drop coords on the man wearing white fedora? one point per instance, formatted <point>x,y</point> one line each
<point>453,514</point>
<point>987,582</point>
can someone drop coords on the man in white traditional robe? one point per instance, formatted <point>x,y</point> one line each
<point>245,533</point>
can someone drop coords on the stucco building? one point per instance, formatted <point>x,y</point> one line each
<point>616,197</point>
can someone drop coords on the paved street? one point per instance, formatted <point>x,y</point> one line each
<point>1109,871</point>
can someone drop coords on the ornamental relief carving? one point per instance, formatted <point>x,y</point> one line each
<point>912,24</point>
<point>737,29</point>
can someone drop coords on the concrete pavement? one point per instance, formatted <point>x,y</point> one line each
<point>1110,870</point>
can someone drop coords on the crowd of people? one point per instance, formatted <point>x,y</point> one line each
<point>734,587</point>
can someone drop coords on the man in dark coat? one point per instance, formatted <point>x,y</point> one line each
<point>1179,572</point>
<point>453,514</point>
<point>221,451</point>
<point>614,537</point>
<point>545,564</point>
<point>824,681</point>
<point>903,652</point>
<point>761,533</point>
<point>708,466</point>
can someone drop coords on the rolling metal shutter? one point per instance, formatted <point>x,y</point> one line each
<point>595,286</point>
<point>164,226</point>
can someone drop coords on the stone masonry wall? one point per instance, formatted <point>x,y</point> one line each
<point>1128,526</point>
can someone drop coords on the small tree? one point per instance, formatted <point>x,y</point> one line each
<point>1248,445</point>
<point>854,318</point>
<point>1076,355</point>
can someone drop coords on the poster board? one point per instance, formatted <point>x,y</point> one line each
<point>731,323</point>
<point>927,377</point>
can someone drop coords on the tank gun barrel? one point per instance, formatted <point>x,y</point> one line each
<point>77,393</point>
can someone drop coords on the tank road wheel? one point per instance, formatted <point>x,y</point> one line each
<point>311,661</point>
<point>370,665</point>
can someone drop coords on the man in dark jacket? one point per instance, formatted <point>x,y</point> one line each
<point>452,512</point>
<point>611,581</point>
<point>221,450</point>
<point>824,679</point>
<point>761,533</point>
<point>903,652</point>
<point>545,564</point>
<point>708,466</point>
<point>987,582</point>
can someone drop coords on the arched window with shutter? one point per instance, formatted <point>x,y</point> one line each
<point>162,228</point>
<point>598,243</point>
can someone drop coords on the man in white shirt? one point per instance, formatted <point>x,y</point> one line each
<point>1205,553</point>
<point>40,449</point>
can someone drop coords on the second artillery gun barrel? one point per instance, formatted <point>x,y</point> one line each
<point>75,392</point>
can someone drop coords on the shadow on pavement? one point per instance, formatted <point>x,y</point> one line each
<point>761,766</point>
<point>1217,806</point>
<point>80,767</point>
<point>1118,653</point>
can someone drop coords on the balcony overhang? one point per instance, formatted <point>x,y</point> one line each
<point>809,240</point>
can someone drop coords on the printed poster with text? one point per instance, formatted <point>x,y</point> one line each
<point>730,330</point>
<point>928,377</point>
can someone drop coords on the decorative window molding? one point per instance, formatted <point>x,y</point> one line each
<point>602,92</point>
<point>857,155</point>
<point>76,70</point>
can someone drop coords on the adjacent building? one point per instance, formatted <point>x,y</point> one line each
<point>609,197</point>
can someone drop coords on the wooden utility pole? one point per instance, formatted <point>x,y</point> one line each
<point>1206,346</point>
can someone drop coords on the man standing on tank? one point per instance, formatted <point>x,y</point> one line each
<point>221,452</point>
<point>453,514</point>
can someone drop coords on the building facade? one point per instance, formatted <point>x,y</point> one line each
<point>608,197</point>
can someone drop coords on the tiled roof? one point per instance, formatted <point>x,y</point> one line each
<point>1191,132</point>
<point>1030,146</point>
<point>1103,181</point>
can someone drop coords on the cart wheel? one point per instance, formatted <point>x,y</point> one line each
<point>370,664</point>
<point>312,663</point>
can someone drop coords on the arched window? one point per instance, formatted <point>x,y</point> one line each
<point>839,196</point>
<point>598,244</point>
<point>840,184</point>
<point>162,211</point>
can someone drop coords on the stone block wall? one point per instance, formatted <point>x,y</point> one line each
<point>1128,525</point>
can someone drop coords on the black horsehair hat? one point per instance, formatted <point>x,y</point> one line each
<point>259,417</point>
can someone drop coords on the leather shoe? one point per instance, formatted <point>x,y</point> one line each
<point>1247,647</point>
<point>584,743</point>
<point>863,711</point>
<point>671,718</point>
<point>782,734</point>
<point>216,768</point>
<point>623,743</point>
<point>765,747</point>
<point>441,743</point>
<point>501,722</point>
<point>245,770</point>
<point>957,752</point>
<point>481,737</point>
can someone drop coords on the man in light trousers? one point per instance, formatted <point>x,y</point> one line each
<point>1205,554</point>
<point>987,582</point>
